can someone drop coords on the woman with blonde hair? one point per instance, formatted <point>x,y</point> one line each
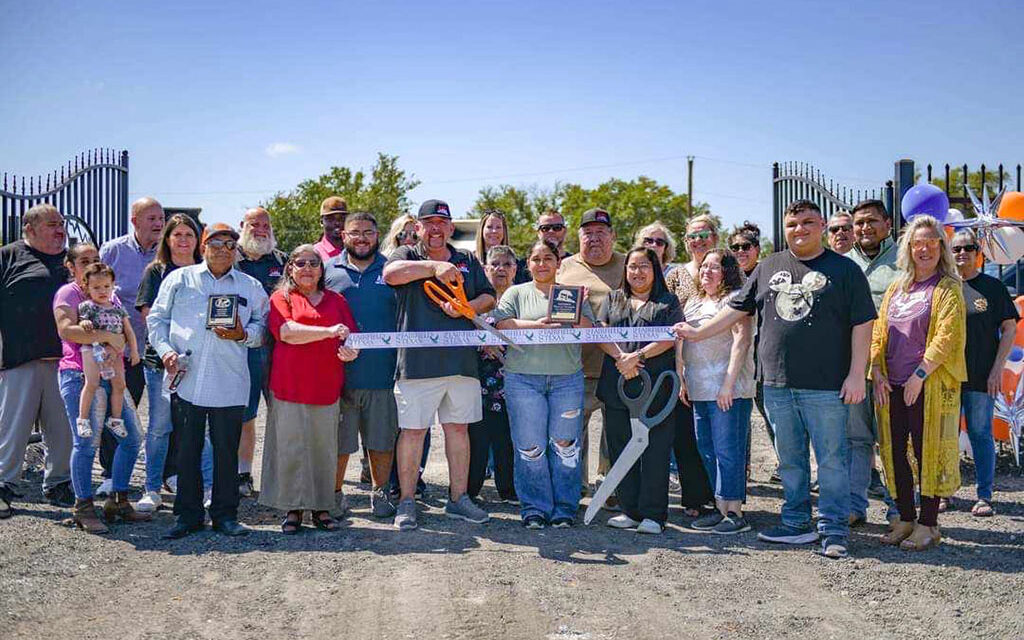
<point>657,237</point>
<point>491,231</point>
<point>917,367</point>
<point>401,233</point>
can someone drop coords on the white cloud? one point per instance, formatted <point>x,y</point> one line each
<point>275,149</point>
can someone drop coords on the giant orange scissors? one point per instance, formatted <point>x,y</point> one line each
<point>455,295</point>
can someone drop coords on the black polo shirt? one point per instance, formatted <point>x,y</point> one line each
<point>268,268</point>
<point>417,312</point>
<point>28,281</point>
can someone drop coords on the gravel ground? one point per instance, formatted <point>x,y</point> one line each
<point>456,580</point>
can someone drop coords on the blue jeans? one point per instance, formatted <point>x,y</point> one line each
<point>542,411</point>
<point>159,431</point>
<point>818,418</point>
<point>977,408</point>
<point>84,449</point>
<point>722,443</point>
<point>861,435</point>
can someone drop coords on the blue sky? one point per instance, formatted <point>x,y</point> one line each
<point>222,104</point>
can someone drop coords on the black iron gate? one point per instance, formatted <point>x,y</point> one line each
<point>91,192</point>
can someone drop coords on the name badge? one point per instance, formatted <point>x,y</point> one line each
<point>222,311</point>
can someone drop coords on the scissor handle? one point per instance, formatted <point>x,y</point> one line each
<point>640,404</point>
<point>453,294</point>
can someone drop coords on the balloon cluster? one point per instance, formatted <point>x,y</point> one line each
<point>997,221</point>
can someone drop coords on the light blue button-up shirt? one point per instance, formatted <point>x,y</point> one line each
<point>218,373</point>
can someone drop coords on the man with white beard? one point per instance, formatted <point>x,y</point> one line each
<point>258,257</point>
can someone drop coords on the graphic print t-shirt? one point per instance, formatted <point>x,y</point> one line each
<point>988,305</point>
<point>808,310</point>
<point>909,315</point>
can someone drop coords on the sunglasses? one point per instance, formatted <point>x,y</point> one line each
<point>698,235</point>
<point>660,242</point>
<point>306,262</point>
<point>408,235</point>
<point>551,227</point>
<point>929,243</point>
<point>836,228</point>
<point>742,246</point>
<point>967,247</point>
<point>216,243</point>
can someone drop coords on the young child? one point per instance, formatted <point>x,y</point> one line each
<point>99,312</point>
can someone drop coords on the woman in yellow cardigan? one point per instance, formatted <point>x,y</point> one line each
<point>917,365</point>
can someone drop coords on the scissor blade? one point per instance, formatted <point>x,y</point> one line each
<point>501,336</point>
<point>626,460</point>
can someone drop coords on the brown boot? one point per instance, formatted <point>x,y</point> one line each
<point>117,506</point>
<point>898,532</point>
<point>84,516</point>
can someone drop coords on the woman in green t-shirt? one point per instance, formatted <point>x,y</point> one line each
<point>544,395</point>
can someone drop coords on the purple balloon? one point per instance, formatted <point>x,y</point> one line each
<point>1016,354</point>
<point>925,200</point>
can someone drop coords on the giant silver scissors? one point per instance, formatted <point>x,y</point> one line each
<point>641,423</point>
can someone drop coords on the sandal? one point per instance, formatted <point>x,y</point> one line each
<point>943,505</point>
<point>291,525</point>
<point>323,520</point>
<point>982,509</point>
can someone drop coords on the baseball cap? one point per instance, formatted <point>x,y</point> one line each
<point>332,205</point>
<point>596,215</point>
<point>434,209</point>
<point>217,228</point>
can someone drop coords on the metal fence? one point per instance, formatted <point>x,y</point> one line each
<point>91,192</point>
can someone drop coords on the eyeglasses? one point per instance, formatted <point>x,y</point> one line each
<point>836,228</point>
<point>930,243</point>
<point>742,246</point>
<point>361,234</point>
<point>660,242</point>
<point>306,262</point>
<point>551,227</point>
<point>967,247</point>
<point>699,235</point>
<point>639,266</point>
<point>217,243</point>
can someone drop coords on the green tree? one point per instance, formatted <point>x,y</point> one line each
<point>956,182</point>
<point>632,204</point>
<point>296,214</point>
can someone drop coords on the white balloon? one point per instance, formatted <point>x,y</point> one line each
<point>955,215</point>
<point>1006,245</point>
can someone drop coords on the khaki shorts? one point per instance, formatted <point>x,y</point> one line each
<point>371,412</point>
<point>455,400</point>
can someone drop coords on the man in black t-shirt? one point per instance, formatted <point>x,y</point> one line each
<point>991,329</point>
<point>436,380</point>
<point>31,271</point>
<point>816,317</point>
<point>258,257</point>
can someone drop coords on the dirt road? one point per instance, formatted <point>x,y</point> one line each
<point>455,580</point>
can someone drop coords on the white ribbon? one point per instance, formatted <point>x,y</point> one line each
<point>480,338</point>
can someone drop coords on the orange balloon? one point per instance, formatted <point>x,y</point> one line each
<point>1019,302</point>
<point>1012,206</point>
<point>1008,383</point>
<point>1018,340</point>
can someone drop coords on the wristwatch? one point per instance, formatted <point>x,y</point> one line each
<point>920,373</point>
<point>643,356</point>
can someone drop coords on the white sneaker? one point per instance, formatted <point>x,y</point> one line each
<point>207,498</point>
<point>149,503</point>
<point>649,526</point>
<point>622,521</point>
<point>84,427</point>
<point>105,488</point>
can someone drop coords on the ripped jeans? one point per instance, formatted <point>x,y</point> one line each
<point>546,418</point>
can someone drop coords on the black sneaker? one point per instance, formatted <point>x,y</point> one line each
<point>533,522</point>
<point>245,485</point>
<point>561,523</point>
<point>61,495</point>
<point>730,524</point>
<point>876,489</point>
<point>785,534</point>
<point>7,496</point>
<point>707,522</point>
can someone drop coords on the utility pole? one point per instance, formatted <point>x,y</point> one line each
<point>689,185</point>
